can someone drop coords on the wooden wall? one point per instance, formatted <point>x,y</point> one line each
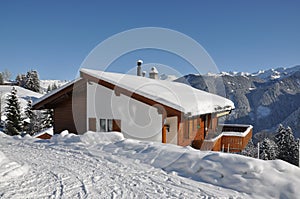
<point>191,132</point>
<point>64,119</point>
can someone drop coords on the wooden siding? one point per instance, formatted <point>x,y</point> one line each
<point>236,143</point>
<point>92,124</point>
<point>217,145</point>
<point>117,125</point>
<point>65,118</point>
<point>191,132</point>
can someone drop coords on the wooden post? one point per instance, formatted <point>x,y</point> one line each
<point>164,134</point>
<point>258,150</point>
<point>228,148</point>
<point>223,148</point>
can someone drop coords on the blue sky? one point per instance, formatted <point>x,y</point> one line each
<point>54,37</point>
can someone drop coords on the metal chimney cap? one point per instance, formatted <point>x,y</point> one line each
<point>139,62</point>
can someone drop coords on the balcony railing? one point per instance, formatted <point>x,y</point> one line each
<point>232,137</point>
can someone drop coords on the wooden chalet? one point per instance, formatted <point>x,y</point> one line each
<point>145,109</point>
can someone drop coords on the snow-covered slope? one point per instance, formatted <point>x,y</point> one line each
<point>105,165</point>
<point>23,94</point>
<point>45,83</point>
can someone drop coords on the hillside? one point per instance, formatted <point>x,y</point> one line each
<point>263,99</point>
<point>23,94</point>
<point>106,165</point>
<point>46,83</point>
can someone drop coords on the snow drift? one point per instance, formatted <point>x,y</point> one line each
<point>69,158</point>
<point>257,178</point>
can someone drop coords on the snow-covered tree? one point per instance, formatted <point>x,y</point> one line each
<point>33,125</point>
<point>32,81</point>
<point>1,79</point>
<point>54,86</point>
<point>268,150</point>
<point>250,150</point>
<point>47,119</point>
<point>287,145</point>
<point>21,80</point>
<point>51,87</point>
<point>13,114</point>
<point>6,74</point>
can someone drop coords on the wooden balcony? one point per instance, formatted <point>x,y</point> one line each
<point>228,138</point>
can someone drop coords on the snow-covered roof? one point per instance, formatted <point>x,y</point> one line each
<point>55,91</point>
<point>48,131</point>
<point>179,96</point>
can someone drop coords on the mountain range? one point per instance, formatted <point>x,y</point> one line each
<point>263,99</point>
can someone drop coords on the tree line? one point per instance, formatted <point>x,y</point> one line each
<point>281,145</point>
<point>30,80</point>
<point>32,121</point>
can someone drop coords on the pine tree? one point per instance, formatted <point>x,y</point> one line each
<point>54,86</point>
<point>35,119</point>
<point>287,145</point>
<point>47,119</point>
<point>13,114</point>
<point>1,79</point>
<point>250,150</point>
<point>48,88</point>
<point>268,150</point>
<point>32,81</point>
<point>21,80</point>
<point>298,154</point>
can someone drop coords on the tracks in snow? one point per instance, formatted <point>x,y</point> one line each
<point>72,171</point>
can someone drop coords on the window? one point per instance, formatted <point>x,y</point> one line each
<point>109,125</point>
<point>106,125</point>
<point>102,125</point>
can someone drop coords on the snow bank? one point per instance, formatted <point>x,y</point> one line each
<point>92,138</point>
<point>10,169</point>
<point>89,138</point>
<point>258,178</point>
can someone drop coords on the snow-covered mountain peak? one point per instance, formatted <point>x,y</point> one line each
<point>277,73</point>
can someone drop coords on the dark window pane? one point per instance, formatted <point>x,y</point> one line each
<point>102,125</point>
<point>110,125</point>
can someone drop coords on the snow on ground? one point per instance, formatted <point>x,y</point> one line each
<point>10,169</point>
<point>105,165</point>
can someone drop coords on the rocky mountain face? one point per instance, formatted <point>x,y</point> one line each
<point>264,99</point>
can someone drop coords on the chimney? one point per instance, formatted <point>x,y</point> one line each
<point>144,73</point>
<point>153,74</point>
<point>139,68</point>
